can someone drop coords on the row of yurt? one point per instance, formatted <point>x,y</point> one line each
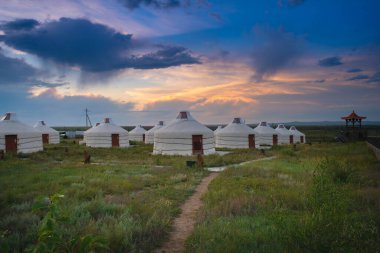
<point>184,136</point>
<point>149,135</point>
<point>16,137</point>
<point>105,135</point>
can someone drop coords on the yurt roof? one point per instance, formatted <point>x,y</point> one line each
<point>264,128</point>
<point>295,131</point>
<point>185,123</point>
<point>107,126</point>
<point>218,128</point>
<point>159,125</point>
<point>138,130</point>
<point>237,126</point>
<point>41,126</point>
<point>10,125</point>
<point>281,129</point>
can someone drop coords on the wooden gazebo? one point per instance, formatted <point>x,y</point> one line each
<point>352,119</point>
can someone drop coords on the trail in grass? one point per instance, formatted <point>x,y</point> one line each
<point>184,225</point>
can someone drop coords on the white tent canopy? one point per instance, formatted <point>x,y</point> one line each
<point>235,135</point>
<point>49,135</point>
<point>284,135</point>
<point>297,135</point>
<point>217,129</point>
<point>137,134</point>
<point>265,135</point>
<point>149,135</point>
<point>106,135</point>
<point>16,137</point>
<point>184,136</point>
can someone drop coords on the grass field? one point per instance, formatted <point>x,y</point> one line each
<point>124,201</point>
<point>315,198</point>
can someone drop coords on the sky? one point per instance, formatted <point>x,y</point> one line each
<point>141,61</point>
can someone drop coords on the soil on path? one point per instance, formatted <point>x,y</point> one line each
<point>183,225</point>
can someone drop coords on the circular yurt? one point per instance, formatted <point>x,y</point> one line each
<point>16,137</point>
<point>297,135</point>
<point>184,136</point>
<point>284,135</point>
<point>235,135</point>
<point>106,135</point>
<point>265,135</point>
<point>49,135</point>
<point>137,134</point>
<point>149,135</point>
<point>217,129</point>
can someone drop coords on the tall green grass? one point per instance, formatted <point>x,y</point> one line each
<point>311,199</point>
<point>126,198</point>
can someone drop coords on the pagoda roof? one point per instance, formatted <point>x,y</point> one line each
<point>353,116</point>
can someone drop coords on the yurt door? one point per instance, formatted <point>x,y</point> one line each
<point>251,141</point>
<point>45,138</point>
<point>197,145</point>
<point>275,139</point>
<point>11,144</point>
<point>301,139</point>
<point>115,140</point>
<point>143,137</point>
<point>291,139</point>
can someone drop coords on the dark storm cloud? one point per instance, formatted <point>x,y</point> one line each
<point>355,70</point>
<point>330,61</point>
<point>276,50</point>
<point>358,77</point>
<point>14,71</point>
<point>92,47</point>
<point>19,24</point>
<point>159,4</point>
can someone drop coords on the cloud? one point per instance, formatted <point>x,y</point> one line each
<point>14,71</point>
<point>20,25</point>
<point>354,70</point>
<point>158,4</point>
<point>375,78</point>
<point>358,77</point>
<point>330,61</point>
<point>275,50</point>
<point>92,47</point>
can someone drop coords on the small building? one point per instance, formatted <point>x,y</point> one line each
<point>284,135</point>
<point>106,135</point>
<point>137,134</point>
<point>16,137</point>
<point>184,136</point>
<point>265,135</point>
<point>297,135</point>
<point>235,135</point>
<point>49,135</point>
<point>149,135</point>
<point>352,132</point>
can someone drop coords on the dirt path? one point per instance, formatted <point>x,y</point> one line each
<point>183,225</point>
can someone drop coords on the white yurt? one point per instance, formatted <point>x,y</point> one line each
<point>265,135</point>
<point>106,135</point>
<point>137,134</point>
<point>284,135</point>
<point>49,135</point>
<point>217,129</point>
<point>149,135</point>
<point>16,137</point>
<point>235,135</point>
<point>184,136</point>
<point>297,135</point>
